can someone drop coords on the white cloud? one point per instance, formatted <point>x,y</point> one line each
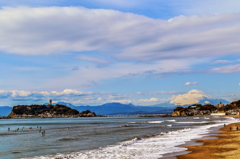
<point>191,83</point>
<point>222,61</point>
<point>14,93</point>
<point>61,29</point>
<point>191,97</point>
<point>38,31</point>
<point>149,100</point>
<point>67,92</point>
<point>201,34</point>
<point>239,84</point>
<point>122,101</point>
<point>44,93</point>
<point>226,69</point>
<point>92,59</point>
<point>158,92</point>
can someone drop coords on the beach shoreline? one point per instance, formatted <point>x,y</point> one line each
<point>221,143</point>
<point>193,142</point>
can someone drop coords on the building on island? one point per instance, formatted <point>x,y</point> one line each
<point>220,105</point>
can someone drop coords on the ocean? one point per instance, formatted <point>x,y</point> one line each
<point>127,137</point>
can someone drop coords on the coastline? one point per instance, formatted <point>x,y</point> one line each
<point>69,133</point>
<point>222,143</point>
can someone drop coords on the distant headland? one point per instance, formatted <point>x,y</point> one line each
<point>208,109</point>
<point>47,111</point>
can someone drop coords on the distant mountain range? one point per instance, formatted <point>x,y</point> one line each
<point>127,109</point>
<point>118,108</point>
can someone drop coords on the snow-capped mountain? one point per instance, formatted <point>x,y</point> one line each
<point>195,96</point>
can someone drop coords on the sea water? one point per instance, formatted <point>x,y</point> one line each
<point>102,137</point>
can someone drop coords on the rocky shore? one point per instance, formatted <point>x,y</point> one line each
<point>208,109</point>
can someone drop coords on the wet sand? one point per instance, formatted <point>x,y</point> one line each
<point>226,145</point>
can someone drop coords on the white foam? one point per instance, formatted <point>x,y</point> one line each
<point>194,122</point>
<point>151,122</point>
<point>155,121</point>
<point>170,120</point>
<point>148,148</point>
<point>161,121</point>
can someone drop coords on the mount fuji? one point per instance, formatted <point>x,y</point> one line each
<point>195,97</point>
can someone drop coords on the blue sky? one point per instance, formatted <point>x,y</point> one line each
<point>143,52</point>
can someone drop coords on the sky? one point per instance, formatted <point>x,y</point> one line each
<point>143,52</point>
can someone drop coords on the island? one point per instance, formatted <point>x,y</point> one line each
<point>47,111</point>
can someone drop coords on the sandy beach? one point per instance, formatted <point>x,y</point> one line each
<point>226,145</point>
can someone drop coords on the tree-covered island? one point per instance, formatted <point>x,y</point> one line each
<point>47,111</point>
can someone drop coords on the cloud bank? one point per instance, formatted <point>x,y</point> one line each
<point>54,30</point>
<point>79,97</point>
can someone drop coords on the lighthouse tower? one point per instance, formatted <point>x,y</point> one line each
<point>50,101</point>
